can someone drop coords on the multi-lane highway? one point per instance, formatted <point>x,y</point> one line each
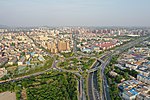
<point>93,89</point>
<point>105,89</point>
<point>90,86</point>
<point>93,92</point>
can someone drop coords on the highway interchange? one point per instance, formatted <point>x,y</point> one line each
<point>92,89</point>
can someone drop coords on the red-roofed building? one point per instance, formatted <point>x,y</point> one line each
<point>106,45</point>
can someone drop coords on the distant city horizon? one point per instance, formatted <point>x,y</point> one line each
<point>29,13</point>
<point>6,26</point>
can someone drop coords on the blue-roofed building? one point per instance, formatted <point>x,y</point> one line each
<point>41,58</point>
<point>130,94</point>
<point>143,78</point>
<point>148,63</point>
<point>131,88</point>
<point>28,62</point>
<point>133,91</point>
<point>121,88</point>
<point>144,70</point>
<point>86,50</point>
<point>32,53</point>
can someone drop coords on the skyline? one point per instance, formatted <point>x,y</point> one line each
<point>74,13</point>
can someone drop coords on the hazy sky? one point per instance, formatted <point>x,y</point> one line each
<point>75,12</point>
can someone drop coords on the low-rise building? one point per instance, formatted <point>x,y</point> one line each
<point>21,61</point>
<point>143,96</point>
<point>143,70</point>
<point>3,60</point>
<point>131,66</point>
<point>12,61</point>
<point>131,89</point>
<point>113,74</point>
<point>41,58</point>
<point>3,72</point>
<point>130,94</point>
<point>27,56</point>
<point>143,78</point>
<point>96,48</point>
<point>86,50</point>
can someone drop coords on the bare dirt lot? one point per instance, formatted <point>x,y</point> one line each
<point>8,96</point>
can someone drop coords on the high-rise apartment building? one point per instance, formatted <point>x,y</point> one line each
<point>52,47</point>
<point>63,46</point>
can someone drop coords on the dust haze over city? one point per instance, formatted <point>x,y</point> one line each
<point>74,50</point>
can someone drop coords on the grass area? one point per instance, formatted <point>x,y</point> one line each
<point>67,55</point>
<point>85,87</point>
<point>88,64</point>
<point>99,78</point>
<point>76,64</point>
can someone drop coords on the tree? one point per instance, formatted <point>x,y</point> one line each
<point>114,91</point>
<point>118,78</point>
<point>126,76</point>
